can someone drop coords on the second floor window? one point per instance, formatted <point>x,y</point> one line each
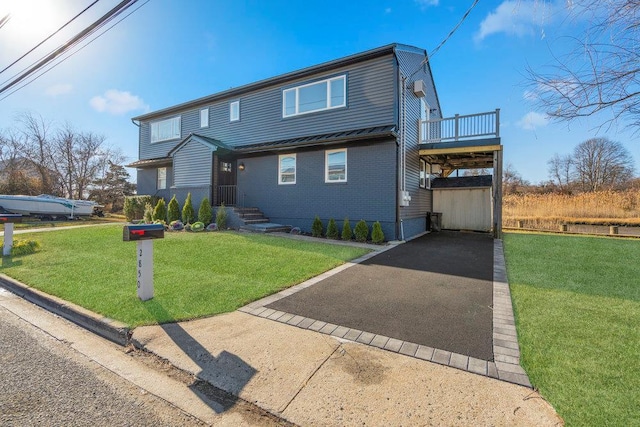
<point>317,96</point>
<point>234,111</point>
<point>164,130</point>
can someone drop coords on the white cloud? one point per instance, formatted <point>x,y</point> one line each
<point>533,120</point>
<point>117,102</point>
<point>427,3</point>
<point>519,18</point>
<point>59,89</point>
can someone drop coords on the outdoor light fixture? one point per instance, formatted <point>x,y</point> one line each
<point>241,166</point>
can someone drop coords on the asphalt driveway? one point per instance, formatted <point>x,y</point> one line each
<point>435,291</point>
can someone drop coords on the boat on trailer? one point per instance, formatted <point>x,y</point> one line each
<point>46,206</point>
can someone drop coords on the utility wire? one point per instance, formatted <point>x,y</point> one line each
<point>68,45</point>
<point>434,51</point>
<point>5,19</point>
<point>72,53</point>
<point>43,41</point>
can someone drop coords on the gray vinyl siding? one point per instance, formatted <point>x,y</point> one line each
<point>192,165</point>
<point>147,182</point>
<point>369,193</point>
<point>370,102</point>
<point>421,199</point>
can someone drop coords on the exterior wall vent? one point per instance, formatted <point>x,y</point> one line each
<point>419,88</point>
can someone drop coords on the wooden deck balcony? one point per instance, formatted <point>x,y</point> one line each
<point>460,128</point>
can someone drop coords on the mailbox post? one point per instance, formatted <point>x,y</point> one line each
<point>144,234</point>
<point>8,220</point>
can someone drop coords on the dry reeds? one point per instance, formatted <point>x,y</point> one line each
<point>602,207</point>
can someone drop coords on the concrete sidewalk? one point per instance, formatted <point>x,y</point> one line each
<point>310,378</point>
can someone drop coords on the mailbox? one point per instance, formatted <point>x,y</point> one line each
<point>10,218</point>
<point>134,232</point>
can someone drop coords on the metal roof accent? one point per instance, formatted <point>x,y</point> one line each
<point>213,144</point>
<point>314,69</point>
<point>328,138</point>
<point>147,163</point>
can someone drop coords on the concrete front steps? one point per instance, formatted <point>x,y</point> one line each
<point>253,220</point>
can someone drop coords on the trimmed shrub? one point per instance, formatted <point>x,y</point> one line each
<point>134,206</point>
<point>316,228</point>
<point>295,230</point>
<point>197,226</point>
<point>205,213</point>
<point>24,247</point>
<point>332,229</point>
<point>148,213</point>
<point>160,211</point>
<point>346,230</point>
<point>173,212</point>
<point>221,217</point>
<point>212,227</point>
<point>188,214</point>
<point>377,236</point>
<point>361,231</point>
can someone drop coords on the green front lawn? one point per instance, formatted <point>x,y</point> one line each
<point>195,274</point>
<point>577,304</point>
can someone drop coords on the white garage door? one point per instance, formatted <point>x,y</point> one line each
<point>464,208</point>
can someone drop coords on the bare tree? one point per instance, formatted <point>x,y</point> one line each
<point>512,181</point>
<point>36,133</point>
<point>603,71</point>
<point>16,173</point>
<point>600,163</point>
<point>561,171</point>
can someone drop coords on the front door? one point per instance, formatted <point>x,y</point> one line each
<point>225,172</point>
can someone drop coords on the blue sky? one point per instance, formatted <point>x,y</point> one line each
<point>172,51</point>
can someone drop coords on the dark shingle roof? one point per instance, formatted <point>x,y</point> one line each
<point>147,163</point>
<point>463,182</point>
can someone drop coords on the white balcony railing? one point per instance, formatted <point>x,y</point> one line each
<point>472,126</point>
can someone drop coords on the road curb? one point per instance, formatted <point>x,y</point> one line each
<point>110,329</point>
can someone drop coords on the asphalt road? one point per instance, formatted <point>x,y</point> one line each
<point>43,382</point>
<point>55,373</point>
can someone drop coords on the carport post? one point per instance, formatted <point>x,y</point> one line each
<point>497,193</point>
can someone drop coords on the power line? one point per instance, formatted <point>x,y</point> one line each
<point>43,41</point>
<point>5,19</point>
<point>121,7</point>
<point>60,61</point>
<point>455,28</point>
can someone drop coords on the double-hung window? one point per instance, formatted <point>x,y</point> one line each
<point>204,118</point>
<point>317,96</point>
<point>423,174</point>
<point>335,165</point>
<point>162,178</point>
<point>165,130</point>
<point>287,169</point>
<point>234,111</point>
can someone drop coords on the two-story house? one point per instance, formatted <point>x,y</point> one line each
<point>358,137</point>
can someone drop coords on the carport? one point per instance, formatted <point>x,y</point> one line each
<point>451,144</point>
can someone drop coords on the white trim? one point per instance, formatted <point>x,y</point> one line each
<point>326,165</point>
<point>295,168</point>
<point>328,106</point>
<point>234,105</point>
<point>175,129</point>
<point>204,118</point>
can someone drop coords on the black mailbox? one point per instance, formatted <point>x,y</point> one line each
<point>133,232</point>
<point>10,218</point>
